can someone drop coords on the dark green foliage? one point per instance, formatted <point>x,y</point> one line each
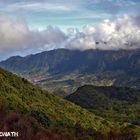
<point>114,103</point>
<point>41,117</point>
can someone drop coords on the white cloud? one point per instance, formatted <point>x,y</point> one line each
<point>37,6</point>
<point>82,43</point>
<point>122,33</point>
<point>16,36</point>
<point>12,34</point>
<point>41,5</point>
<point>89,29</point>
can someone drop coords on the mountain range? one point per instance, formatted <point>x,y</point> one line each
<point>63,71</point>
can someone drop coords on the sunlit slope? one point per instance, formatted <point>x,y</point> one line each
<point>21,96</point>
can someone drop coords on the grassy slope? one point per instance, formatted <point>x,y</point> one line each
<point>19,96</point>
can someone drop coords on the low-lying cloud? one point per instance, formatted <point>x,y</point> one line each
<point>16,36</point>
<point>121,33</point>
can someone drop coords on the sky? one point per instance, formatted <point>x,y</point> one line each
<point>31,26</point>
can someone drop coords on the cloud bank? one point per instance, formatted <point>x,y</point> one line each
<point>121,33</point>
<point>16,36</point>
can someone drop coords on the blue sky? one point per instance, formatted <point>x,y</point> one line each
<point>31,26</point>
<point>64,13</point>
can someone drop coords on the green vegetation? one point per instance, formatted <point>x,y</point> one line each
<point>117,104</point>
<point>18,95</point>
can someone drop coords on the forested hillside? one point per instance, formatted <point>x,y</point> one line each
<point>119,104</point>
<point>54,114</point>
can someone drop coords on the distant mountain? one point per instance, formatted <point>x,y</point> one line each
<point>114,103</point>
<point>37,114</point>
<point>70,69</point>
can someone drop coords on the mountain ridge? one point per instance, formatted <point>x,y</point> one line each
<point>74,68</point>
